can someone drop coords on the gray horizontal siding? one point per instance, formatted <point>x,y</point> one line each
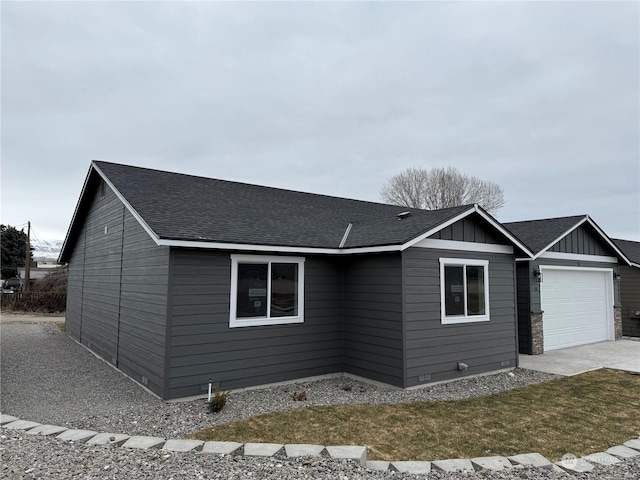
<point>630,300</point>
<point>75,281</point>
<point>143,307</point>
<point>203,346</point>
<point>116,305</point>
<point>101,283</point>
<point>433,349</point>
<point>372,313</point>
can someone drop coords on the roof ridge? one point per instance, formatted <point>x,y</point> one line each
<point>98,162</point>
<point>547,219</point>
<point>414,212</point>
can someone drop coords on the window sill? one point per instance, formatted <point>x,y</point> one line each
<point>262,322</point>
<point>472,319</point>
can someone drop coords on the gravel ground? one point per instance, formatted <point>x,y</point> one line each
<point>28,457</point>
<point>48,378</point>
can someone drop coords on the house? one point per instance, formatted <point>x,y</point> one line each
<point>35,273</point>
<point>630,288</point>
<point>568,292</point>
<point>176,280</point>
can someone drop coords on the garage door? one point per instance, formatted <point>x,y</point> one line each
<point>577,306</point>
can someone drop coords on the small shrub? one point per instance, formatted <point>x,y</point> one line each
<point>347,387</point>
<point>218,401</point>
<point>299,397</point>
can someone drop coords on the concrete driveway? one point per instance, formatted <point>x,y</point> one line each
<point>620,355</point>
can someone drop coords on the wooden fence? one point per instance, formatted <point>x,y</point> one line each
<point>34,302</point>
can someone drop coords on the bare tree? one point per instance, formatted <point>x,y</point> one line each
<point>441,188</point>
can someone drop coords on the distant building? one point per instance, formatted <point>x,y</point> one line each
<point>37,272</point>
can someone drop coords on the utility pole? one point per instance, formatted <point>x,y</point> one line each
<point>27,263</point>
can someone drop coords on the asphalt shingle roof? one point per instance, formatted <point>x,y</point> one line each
<point>538,234</point>
<point>185,207</point>
<point>630,248</point>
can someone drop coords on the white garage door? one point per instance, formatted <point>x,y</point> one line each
<point>577,306</point>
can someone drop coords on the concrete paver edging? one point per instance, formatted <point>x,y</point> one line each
<point>358,454</point>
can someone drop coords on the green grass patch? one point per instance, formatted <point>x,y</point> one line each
<point>580,415</point>
<point>62,326</point>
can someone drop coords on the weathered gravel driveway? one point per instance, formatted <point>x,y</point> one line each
<point>48,378</point>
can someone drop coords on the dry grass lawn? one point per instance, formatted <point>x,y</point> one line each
<point>580,415</point>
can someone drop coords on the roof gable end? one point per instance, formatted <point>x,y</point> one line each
<point>564,234</point>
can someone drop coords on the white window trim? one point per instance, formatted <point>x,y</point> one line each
<point>235,322</point>
<point>451,320</point>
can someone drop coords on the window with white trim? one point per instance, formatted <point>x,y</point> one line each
<point>464,290</point>
<point>266,290</point>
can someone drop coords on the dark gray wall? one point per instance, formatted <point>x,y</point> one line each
<point>373,333</point>
<point>116,304</point>
<point>162,315</point>
<point>202,346</point>
<point>630,300</point>
<point>143,307</point>
<point>523,286</point>
<point>75,281</point>
<point>434,350</point>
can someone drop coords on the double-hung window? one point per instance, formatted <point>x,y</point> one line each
<point>464,290</point>
<point>266,290</point>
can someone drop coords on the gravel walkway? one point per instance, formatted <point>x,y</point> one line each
<point>48,378</point>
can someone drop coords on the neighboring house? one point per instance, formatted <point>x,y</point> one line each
<point>630,288</point>
<point>34,272</point>
<point>568,292</point>
<point>46,263</point>
<point>177,279</point>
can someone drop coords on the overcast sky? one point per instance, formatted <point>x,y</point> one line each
<point>334,98</point>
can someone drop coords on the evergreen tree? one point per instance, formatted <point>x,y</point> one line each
<point>14,243</point>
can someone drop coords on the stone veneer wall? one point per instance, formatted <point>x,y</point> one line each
<point>537,335</point>
<point>617,322</point>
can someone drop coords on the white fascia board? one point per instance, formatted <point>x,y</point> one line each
<point>581,269</point>
<point>128,206</point>
<point>608,240</point>
<point>464,246</point>
<point>75,212</point>
<point>276,248</point>
<point>428,233</point>
<point>578,256</point>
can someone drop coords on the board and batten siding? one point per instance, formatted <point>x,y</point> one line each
<point>630,300</point>
<point>433,350</point>
<point>583,240</point>
<point>372,313</point>
<point>116,305</point>
<point>203,346</point>
<point>469,229</point>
